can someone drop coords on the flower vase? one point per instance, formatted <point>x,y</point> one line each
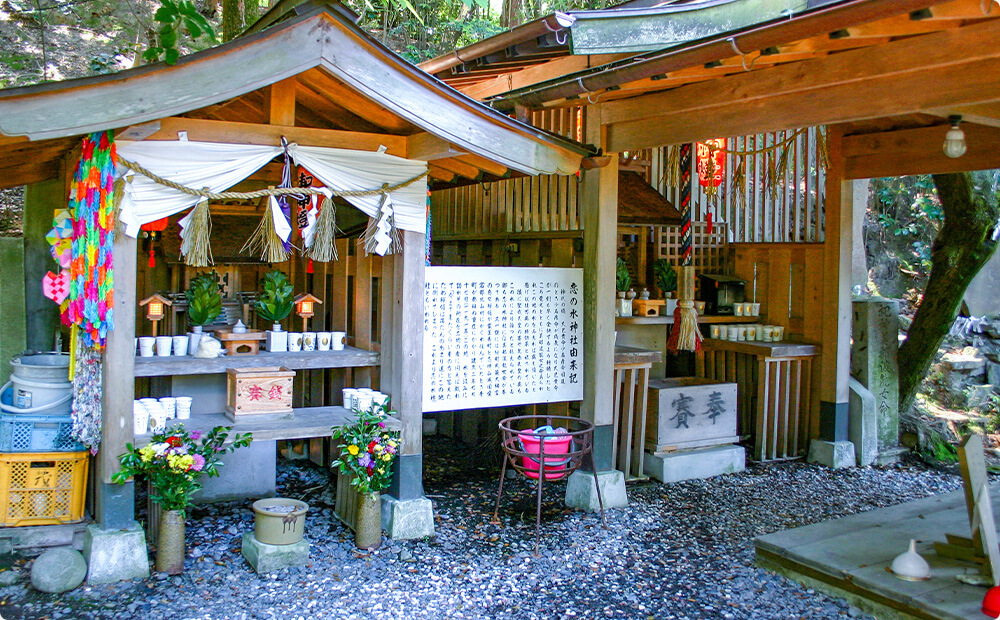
<point>368,521</point>
<point>170,543</point>
<point>277,339</point>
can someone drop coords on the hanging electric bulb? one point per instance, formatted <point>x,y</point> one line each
<point>954,140</point>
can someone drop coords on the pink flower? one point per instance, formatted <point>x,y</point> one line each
<point>381,424</point>
<point>199,462</point>
<point>195,435</point>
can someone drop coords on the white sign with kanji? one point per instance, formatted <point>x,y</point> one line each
<point>496,336</point>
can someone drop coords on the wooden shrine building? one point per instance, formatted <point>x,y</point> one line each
<point>311,77</point>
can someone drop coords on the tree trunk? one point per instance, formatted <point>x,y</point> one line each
<point>964,244</point>
<point>232,19</point>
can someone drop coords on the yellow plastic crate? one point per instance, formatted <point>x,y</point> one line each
<point>42,488</point>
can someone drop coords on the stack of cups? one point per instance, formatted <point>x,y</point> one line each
<point>349,397</point>
<point>169,406</point>
<point>363,399</point>
<point>140,418</point>
<point>157,415</point>
<point>184,407</point>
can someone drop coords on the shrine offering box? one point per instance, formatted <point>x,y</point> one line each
<point>688,412</point>
<point>259,391</point>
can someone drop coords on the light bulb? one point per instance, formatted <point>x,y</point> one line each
<point>954,140</point>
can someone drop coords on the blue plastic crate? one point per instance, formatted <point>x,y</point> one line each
<point>37,433</point>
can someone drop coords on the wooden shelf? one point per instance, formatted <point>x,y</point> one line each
<point>298,360</point>
<point>762,349</point>
<point>669,320</point>
<point>306,422</point>
<point>635,355</point>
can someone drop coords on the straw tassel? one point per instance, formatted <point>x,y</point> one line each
<point>324,246</point>
<point>265,240</point>
<point>686,336</point>
<point>196,249</point>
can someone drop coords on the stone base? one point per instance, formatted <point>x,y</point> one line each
<point>581,492</point>
<point>696,463</point>
<point>834,454</point>
<point>115,555</point>
<point>407,519</point>
<point>265,558</point>
<point>889,456</point>
<point>863,423</point>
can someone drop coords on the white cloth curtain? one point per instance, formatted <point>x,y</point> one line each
<point>220,166</point>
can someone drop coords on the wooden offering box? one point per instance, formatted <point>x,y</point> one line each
<point>252,392</point>
<point>647,307</point>
<point>688,412</point>
<point>247,343</point>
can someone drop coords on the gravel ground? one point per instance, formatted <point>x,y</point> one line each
<point>678,551</point>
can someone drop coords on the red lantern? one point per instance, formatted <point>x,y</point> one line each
<point>991,602</point>
<point>711,162</point>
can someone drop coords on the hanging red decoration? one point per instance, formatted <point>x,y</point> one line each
<point>711,164</point>
<point>153,228</point>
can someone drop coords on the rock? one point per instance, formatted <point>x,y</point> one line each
<point>9,577</point>
<point>58,570</point>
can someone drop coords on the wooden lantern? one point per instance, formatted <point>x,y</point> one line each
<point>305,308</point>
<point>155,308</point>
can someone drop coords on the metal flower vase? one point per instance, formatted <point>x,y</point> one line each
<point>368,521</point>
<point>170,543</point>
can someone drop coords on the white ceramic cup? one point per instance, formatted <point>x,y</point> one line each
<point>754,309</point>
<point>184,407</point>
<point>733,331</point>
<point>752,332</point>
<point>294,341</point>
<point>309,341</point>
<point>164,345</point>
<point>380,399</point>
<point>157,421</point>
<point>348,394</point>
<point>741,335</point>
<point>338,340</point>
<point>768,333</point>
<point>714,331</point>
<point>146,344</point>
<point>363,401</point>
<point>140,418</point>
<point>699,307</point>
<point>737,309</point>
<point>181,345</point>
<point>322,341</point>
<point>170,406</point>
<point>779,333</point>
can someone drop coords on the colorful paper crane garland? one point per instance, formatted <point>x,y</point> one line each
<point>91,200</point>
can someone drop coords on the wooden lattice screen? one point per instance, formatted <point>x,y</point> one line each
<point>708,251</point>
<point>792,214</point>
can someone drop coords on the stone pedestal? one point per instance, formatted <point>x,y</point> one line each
<point>407,519</point>
<point>581,492</point>
<point>115,555</point>
<point>863,424</point>
<point>696,463</point>
<point>833,454</point>
<point>247,472</point>
<point>265,558</point>
<point>874,365</point>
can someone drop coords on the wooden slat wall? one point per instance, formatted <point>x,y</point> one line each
<point>793,214</point>
<point>567,122</point>
<point>786,279</point>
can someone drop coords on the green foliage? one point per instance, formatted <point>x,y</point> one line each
<point>204,299</point>
<point>174,18</point>
<point>622,280</point>
<point>367,449</point>
<point>666,276</point>
<point>910,215</point>
<point>175,461</point>
<point>275,302</point>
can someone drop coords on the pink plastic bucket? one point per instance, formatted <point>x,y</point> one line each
<point>555,444</point>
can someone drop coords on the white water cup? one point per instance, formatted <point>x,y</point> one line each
<point>294,341</point>
<point>348,394</point>
<point>779,333</point>
<point>309,341</point>
<point>752,332</point>
<point>714,331</point>
<point>140,418</point>
<point>323,341</point>
<point>754,309</point>
<point>164,345</point>
<point>363,401</point>
<point>184,407</point>
<point>181,345</point>
<point>380,399</point>
<point>170,406</point>
<point>733,331</point>
<point>741,334</point>
<point>338,341</point>
<point>146,344</point>
<point>738,309</point>
<point>768,333</point>
<point>699,307</point>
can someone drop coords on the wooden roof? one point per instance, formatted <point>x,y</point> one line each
<point>878,68</point>
<point>314,78</point>
<point>640,203</point>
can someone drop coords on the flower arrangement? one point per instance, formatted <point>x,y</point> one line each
<point>175,460</point>
<point>368,449</point>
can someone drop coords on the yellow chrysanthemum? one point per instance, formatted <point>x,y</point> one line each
<point>353,450</point>
<point>180,462</point>
<point>393,443</point>
<point>386,457</point>
<point>146,454</point>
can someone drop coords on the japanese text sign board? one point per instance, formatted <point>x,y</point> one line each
<point>499,336</point>
<point>254,391</point>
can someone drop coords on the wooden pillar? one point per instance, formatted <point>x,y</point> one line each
<point>835,361</point>
<point>599,203</point>
<point>115,504</point>
<point>41,315</point>
<point>407,370</point>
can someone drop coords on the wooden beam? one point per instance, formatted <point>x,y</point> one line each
<point>536,73</point>
<point>26,174</point>
<point>281,103</point>
<point>484,164</point>
<point>459,168</point>
<point>441,174</point>
<point>852,85</point>
<point>252,133</point>
<point>918,151</point>
<point>980,114</point>
<point>428,147</point>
